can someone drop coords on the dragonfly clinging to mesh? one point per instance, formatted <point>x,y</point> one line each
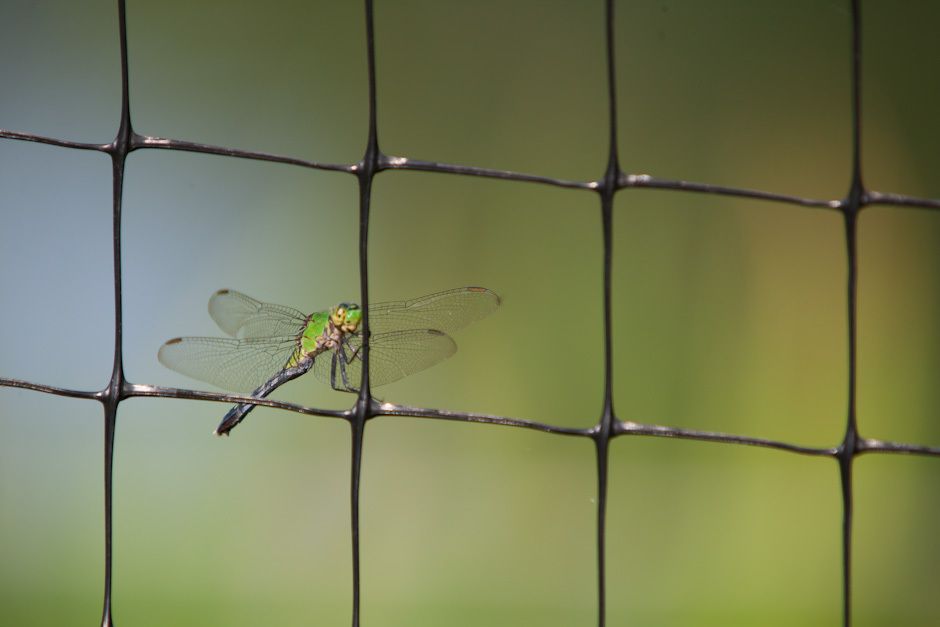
<point>272,344</point>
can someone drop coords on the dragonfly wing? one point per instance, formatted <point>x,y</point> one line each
<point>445,311</point>
<point>393,355</point>
<point>239,365</point>
<point>242,316</point>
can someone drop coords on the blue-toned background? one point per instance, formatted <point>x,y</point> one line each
<point>729,314</point>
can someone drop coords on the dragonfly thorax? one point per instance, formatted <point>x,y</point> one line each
<point>332,336</point>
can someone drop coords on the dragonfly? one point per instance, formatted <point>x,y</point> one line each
<point>269,344</point>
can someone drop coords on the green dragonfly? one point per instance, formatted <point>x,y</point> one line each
<point>270,345</point>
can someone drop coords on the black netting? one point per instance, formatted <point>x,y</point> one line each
<point>613,181</point>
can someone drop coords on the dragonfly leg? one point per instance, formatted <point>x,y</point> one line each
<point>338,361</point>
<point>342,359</point>
<point>355,353</point>
<point>333,361</point>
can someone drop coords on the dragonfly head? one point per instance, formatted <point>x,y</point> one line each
<point>346,317</point>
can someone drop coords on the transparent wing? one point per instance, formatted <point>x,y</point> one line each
<point>239,365</point>
<point>445,311</point>
<point>393,355</point>
<point>242,316</point>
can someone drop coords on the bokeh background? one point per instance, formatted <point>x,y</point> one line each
<point>729,314</point>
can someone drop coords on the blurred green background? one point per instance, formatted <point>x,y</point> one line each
<point>728,314</point>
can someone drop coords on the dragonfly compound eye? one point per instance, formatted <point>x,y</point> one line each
<point>353,318</point>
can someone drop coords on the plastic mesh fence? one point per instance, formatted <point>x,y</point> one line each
<point>609,426</point>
